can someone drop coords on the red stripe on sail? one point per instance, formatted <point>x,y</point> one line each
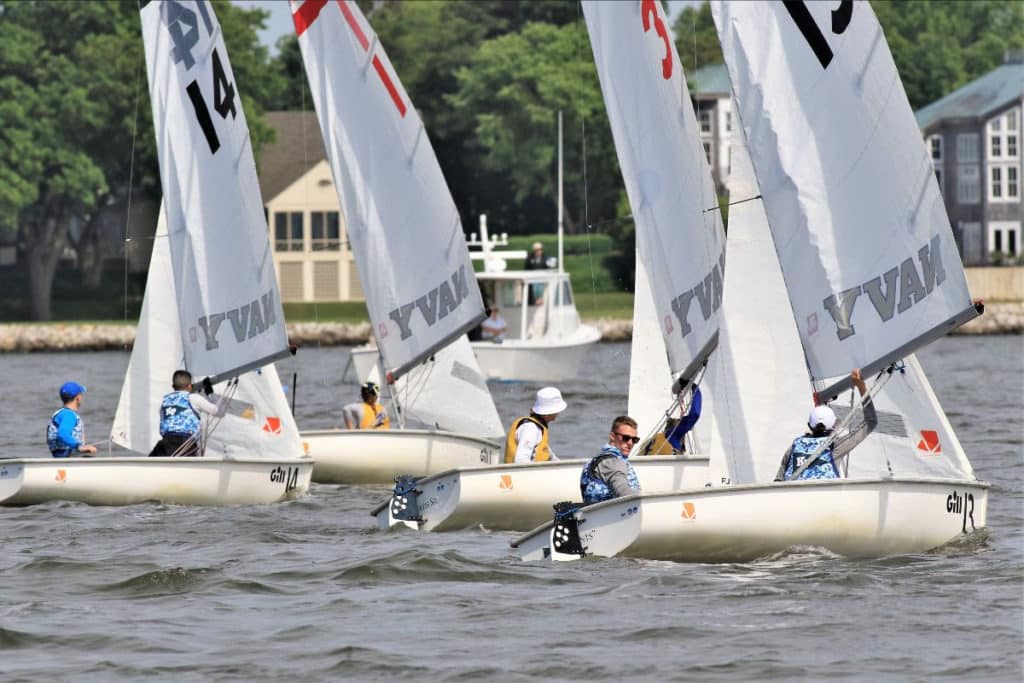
<point>306,14</point>
<point>378,65</point>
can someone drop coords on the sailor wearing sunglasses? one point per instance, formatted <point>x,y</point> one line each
<point>609,474</point>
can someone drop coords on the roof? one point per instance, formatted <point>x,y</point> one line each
<point>298,148</point>
<point>984,95</point>
<point>712,79</point>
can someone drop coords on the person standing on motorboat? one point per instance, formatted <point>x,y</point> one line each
<point>672,439</point>
<point>820,424</point>
<point>180,419</point>
<point>535,260</point>
<point>527,439</point>
<point>368,414</point>
<point>609,474</point>
<point>65,434</point>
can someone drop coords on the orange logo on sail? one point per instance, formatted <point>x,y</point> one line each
<point>929,442</point>
<point>272,425</point>
<point>62,476</point>
<point>689,511</point>
<point>506,482</point>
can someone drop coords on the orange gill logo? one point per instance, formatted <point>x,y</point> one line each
<point>305,447</point>
<point>929,442</point>
<point>272,425</point>
<point>62,476</point>
<point>506,482</point>
<point>689,511</point>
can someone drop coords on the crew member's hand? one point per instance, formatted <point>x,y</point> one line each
<point>207,386</point>
<point>858,381</point>
<point>87,449</point>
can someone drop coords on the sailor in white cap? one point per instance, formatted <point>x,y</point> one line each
<point>527,439</point>
<point>820,424</point>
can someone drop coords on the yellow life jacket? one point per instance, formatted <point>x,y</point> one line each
<point>540,454</point>
<point>659,445</point>
<point>370,414</point>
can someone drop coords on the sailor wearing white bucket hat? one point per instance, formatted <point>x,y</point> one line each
<point>527,439</point>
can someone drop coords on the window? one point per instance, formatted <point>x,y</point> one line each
<point>707,151</point>
<point>935,143</point>
<point>997,240</point>
<point>968,190</point>
<point>967,147</point>
<point>1002,136</point>
<point>705,120</point>
<point>1011,120</point>
<point>1012,188</point>
<point>938,178</point>
<point>1004,183</point>
<point>325,231</point>
<point>996,191</point>
<point>1011,146</point>
<point>994,149</point>
<point>288,231</point>
<point>1004,237</point>
<point>728,122</point>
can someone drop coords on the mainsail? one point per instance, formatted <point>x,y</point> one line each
<point>870,263</point>
<point>678,226</point>
<point>258,423</point>
<point>402,223</point>
<point>227,296</point>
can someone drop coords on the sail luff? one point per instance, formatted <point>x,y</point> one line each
<point>666,173</point>
<point>859,226</point>
<point>402,223</point>
<point>229,306</point>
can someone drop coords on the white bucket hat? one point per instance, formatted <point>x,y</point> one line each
<point>549,401</point>
<point>822,415</point>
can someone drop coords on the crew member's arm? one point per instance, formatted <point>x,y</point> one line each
<point>781,475</point>
<point>202,405</point>
<point>66,423</point>
<point>675,437</point>
<point>848,442</point>
<point>352,414</point>
<point>615,473</point>
<point>527,436</point>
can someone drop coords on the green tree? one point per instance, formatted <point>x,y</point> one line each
<point>696,38</point>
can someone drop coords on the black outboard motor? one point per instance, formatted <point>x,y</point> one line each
<point>565,532</point>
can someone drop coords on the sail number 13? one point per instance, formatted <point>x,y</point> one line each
<point>183,26</point>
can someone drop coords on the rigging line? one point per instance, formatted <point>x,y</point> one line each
<point>736,203</point>
<point>583,152</point>
<point>131,184</point>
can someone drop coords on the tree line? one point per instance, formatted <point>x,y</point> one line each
<point>488,78</point>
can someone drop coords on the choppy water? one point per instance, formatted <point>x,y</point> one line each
<point>308,590</point>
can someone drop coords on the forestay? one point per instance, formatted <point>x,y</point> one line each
<point>402,223</point>
<point>678,225</point>
<point>227,296</point>
<point>865,245</point>
<point>258,423</point>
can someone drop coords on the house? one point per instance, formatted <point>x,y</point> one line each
<point>974,138</point>
<point>307,228</point>
<point>712,100</point>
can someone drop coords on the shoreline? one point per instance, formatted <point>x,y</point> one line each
<point>999,318</point>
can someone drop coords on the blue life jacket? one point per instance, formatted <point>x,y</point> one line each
<point>804,447</point>
<point>177,416</point>
<point>58,447</point>
<point>593,487</point>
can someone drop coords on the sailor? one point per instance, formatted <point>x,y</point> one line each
<point>180,418</point>
<point>609,474</point>
<point>65,434</point>
<point>493,327</point>
<point>527,439</point>
<point>369,414</point>
<point>671,441</point>
<point>820,423</point>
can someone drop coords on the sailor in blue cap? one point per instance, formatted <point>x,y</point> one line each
<point>65,434</point>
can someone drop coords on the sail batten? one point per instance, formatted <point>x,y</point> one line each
<point>666,173</point>
<point>859,226</point>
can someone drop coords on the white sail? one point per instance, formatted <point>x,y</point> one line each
<point>402,223</point>
<point>758,378</point>
<point>678,226</point>
<point>227,295</point>
<point>650,380</point>
<point>258,422</point>
<point>859,226</point>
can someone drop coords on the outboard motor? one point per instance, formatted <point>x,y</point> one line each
<point>565,533</point>
<point>404,507</point>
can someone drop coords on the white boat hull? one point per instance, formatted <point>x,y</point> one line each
<point>135,479</point>
<point>861,519</point>
<point>519,497</point>
<point>366,456</point>
<point>540,360</point>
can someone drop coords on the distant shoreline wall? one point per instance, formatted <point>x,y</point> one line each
<point>996,284</point>
<point>999,318</point>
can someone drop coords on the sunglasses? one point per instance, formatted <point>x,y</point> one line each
<point>627,437</point>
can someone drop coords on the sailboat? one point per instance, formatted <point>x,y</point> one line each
<point>413,263</point>
<point>825,125</point>
<point>680,246</point>
<point>211,303</point>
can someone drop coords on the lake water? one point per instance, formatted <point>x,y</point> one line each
<point>310,591</point>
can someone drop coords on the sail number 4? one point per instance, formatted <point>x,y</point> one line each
<point>183,27</point>
<point>961,504</point>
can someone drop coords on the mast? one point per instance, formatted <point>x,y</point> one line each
<point>561,205</point>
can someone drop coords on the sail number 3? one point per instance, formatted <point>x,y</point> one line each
<point>183,27</point>
<point>649,15</point>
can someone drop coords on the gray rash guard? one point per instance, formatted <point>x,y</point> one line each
<point>615,473</point>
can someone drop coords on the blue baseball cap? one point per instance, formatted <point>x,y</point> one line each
<point>69,390</point>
